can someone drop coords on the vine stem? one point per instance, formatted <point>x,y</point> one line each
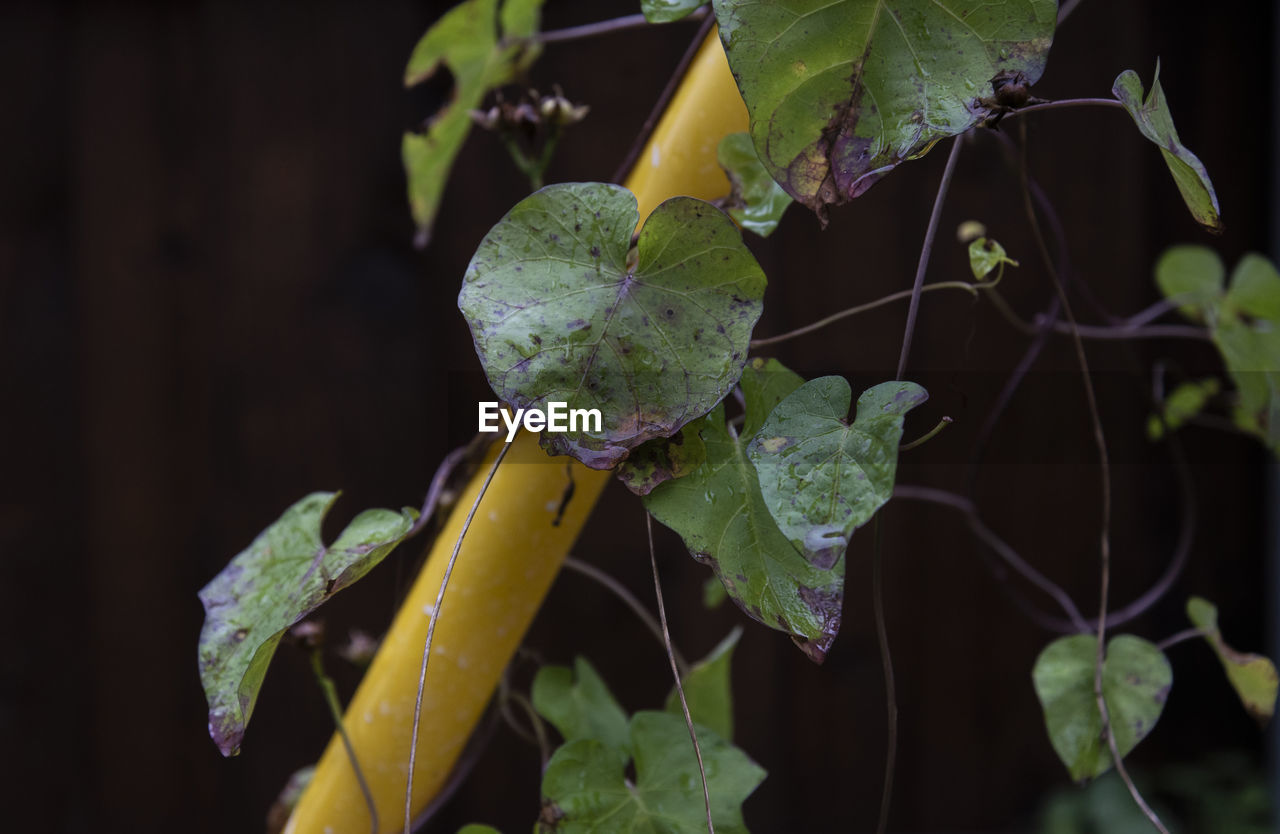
<point>1064,104</point>
<point>890,688</point>
<point>933,432</point>
<point>675,672</point>
<point>605,27</point>
<point>335,709</point>
<point>1180,637</point>
<point>431,631</point>
<point>926,251</point>
<point>620,591</point>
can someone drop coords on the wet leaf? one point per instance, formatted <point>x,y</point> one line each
<point>1252,675</point>
<point>708,689</point>
<point>1185,402</point>
<point>587,783</point>
<point>558,314</point>
<point>1193,275</point>
<point>1136,678</point>
<point>841,92</point>
<point>822,477</point>
<point>580,705</point>
<point>666,11</point>
<point>468,40</point>
<point>757,202</point>
<point>662,459</point>
<point>720,514</point>
<point>1156,124</point>
<point>278,580</point>
<point>987,255</point>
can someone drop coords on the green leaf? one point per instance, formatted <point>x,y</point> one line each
<point>713,593</point>
<point>1155,122</point>
<point>1193,275</point>
<point>986,255</point>
<point>559,313</point>
<point>756,202</point>
<point>1252,675</point>
<point>822,477</point>
<point>765,383</point>
<point>477,828</point>
<point>1185,402</point>
<point>662,459</point>
<point>588,786</point>
<point>708,690</point>
<point>666,11</point>
<point>1251,352</point>
<point>841,91</point>
<point>284,575</point>
<point>1255,288</point>
<point>720,514</point>
<point>580,705</point>
<point>1136,678</point>
<point>467,40</point>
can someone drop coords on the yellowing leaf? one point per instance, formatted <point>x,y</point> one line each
<point>1252,675</point>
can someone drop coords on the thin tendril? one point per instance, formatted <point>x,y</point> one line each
<point>335,709</point>
<point>890,689</point>
<point>972,289</point>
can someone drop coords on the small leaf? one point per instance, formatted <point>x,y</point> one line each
<point>713,593</point>
<point>1251,352</point>
<point>756,202</point>
<point>1255,288</point>
<point>477,828</point>
<point>1156,123</point>
<point>588,786</point>
<point>1136,678</point>
<point>1193,275</point>
<point>986,255</point>
<point>842,91</point>
<point>720,514</point>
<point>663,459</point>
<point>708,690</point>
<point>1185,402</point>
<point>667,11</point>
<point>580,705</point>
<point>1252,675</point>
<point>820,476</point>
<point>467,40</point>
<point>278,580</point>
<point>559,315</point>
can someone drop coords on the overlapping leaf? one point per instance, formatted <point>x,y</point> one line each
<point>284,575</point>
<point>841,91</point>
<point>1136,678</point>
<point>479,42</point>
<point>580,705</point>
<point>756,202</point>
<point>1156,124</point>
<point>720,513</point>
<point>559,313</point>
<point>667,11</point>
<point>1252,675</point>
<point>662,459</point>
<point>708,691</point>
<point>822,477</point>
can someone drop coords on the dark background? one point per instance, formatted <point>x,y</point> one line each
<point>210,306</point>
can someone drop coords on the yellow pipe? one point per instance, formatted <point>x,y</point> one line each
<point>512,551</point>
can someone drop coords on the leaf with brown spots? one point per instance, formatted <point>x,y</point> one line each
<point>286,573</point>
<point>562,310</point>
<point>1252,675</point>
<point>839,93</point>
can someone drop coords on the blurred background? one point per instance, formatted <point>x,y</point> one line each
<point>210,305</point>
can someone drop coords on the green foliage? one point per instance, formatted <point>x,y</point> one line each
<point>580,705</point>
<point>284,575</point>
<point>560,311</point>
<point>480,44</point>
<point>477,828</point>
<point>1136,678</point>
<point>987,255</point>
<point>1182,404</point>
<point>1156,123</point>
<point>839,93</point>
<point>1252,675</point>
<point>756,201</point>
<point>663,459</point>
<point>822,477</point>
<point>667,11</point>
<point>707,689</point>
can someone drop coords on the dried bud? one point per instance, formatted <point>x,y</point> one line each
<point>1012,89</point>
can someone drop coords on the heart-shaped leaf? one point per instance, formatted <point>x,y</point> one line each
<point>708,691</point>
<point>841,91</point>
<point>1136,678</point>
<point>1193,275</point>
<point>756,202</point>
<point>1155,122</point>
<point>282,577</point>
<point>719,512</point>
<point>580,705</point>
<point>1252,675</point>
<point>987,255</point>
<point>559,313</point>
<point>822,477</point>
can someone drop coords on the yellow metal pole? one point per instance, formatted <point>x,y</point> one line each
<point>512,551</point>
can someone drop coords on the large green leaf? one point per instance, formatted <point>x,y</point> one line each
<point>822,477</point>
<point>841,91</point>
<point>1252,675</point>
<point>719,512</point>
<point>756,202</point>
<point>591,793</point>
<point>580,705</point>
<point>708,690</point>
<point>560,313</point>
<point>666,11</point>
<point>1136,678</point>
<point>1155,122</point>
<point>282,577</point>
<point>480,44</point>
